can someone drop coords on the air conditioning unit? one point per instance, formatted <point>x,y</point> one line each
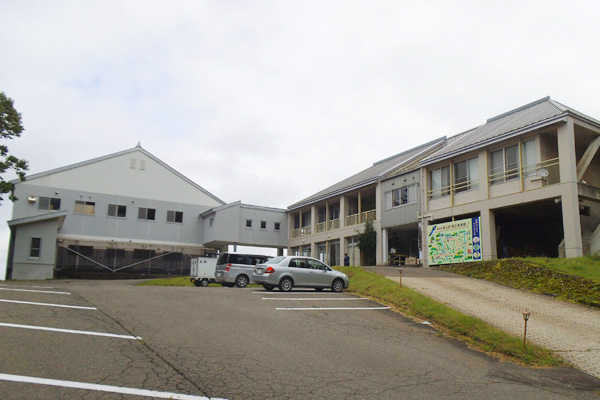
<point>32,199</point>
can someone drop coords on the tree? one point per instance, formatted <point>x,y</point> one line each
<point>10,127</point>
<point>367,243</point>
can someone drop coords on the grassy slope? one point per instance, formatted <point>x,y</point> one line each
<point>473,331</point>
<point>576,280</point>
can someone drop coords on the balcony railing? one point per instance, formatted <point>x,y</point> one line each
<point>296,233</point>
<point>333,224</point>
<point>361,218</point>
<point>551,176</point>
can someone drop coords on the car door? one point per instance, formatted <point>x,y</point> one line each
<point>300,271</point>
<point>320,275</point>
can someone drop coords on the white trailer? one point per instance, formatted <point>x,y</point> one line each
<point>202,271</point>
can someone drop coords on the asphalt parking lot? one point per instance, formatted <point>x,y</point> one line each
<point>114,340</point>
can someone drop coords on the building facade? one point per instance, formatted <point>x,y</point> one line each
<point>528,179</point>
<point>126,213</point>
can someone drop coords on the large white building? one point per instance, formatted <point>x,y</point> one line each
<point>127,212</point>
<point>527,181</point>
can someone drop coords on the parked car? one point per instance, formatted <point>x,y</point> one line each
<point>235,269</point>
<point>287,272</point>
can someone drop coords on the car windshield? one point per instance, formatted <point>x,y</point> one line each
<point>275,260</point>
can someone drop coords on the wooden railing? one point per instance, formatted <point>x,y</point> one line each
<point>361,218</point>
<point>296,233</point>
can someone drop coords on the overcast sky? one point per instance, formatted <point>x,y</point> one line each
<point>269,102</point>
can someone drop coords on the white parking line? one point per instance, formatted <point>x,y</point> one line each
<point>31,286</point>
<point>43,328</point>
<point>331,308</point>
<point>314,298</point>
<point>35,291</point>
<point>102,388</point>
<point>47,304</point>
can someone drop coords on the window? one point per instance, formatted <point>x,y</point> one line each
<point>175,216</point>
<point>305,219</point>
<point>211,221</point>
<point>117,211</point>
<point>85,207</point>
<point>400,196</point>
<point>49,203</point>
<point>316,265</point>
<point>466,175</point>
<point>277,226</point>
<point>334,212</point>
<point>263,224</point>
<point>248,223</point>
<point>530,159</point>
<point>440,182</point>
<point>146,213</point>
<point>322,214</point>
<point>36,245</point>
<point>504,164</point>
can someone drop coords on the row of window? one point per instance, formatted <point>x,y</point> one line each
<point>504,166</point>
<point>114,210</point>
<point>263,225</point>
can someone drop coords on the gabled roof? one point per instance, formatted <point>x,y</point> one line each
<point>371,174</point>
<point>531,116</point>
<point>118,154</point>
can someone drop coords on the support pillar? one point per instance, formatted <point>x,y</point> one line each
<point>385,246</point>
<point>489,248</point>
<point>569,191</point>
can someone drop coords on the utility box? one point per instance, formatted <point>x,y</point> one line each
<point>202,270</point>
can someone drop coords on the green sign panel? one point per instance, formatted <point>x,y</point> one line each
<point>454,242</point>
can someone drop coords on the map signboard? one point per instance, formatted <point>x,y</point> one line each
<point>454,242</point>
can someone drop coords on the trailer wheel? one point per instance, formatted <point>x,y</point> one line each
<point>197,282</point>
<point>204,282</point>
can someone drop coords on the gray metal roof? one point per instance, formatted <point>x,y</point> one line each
<point>534,115</point>
<point>371,174</point>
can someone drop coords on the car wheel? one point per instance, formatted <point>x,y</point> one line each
<point>318,289</point>
<point>241,281</point>
<point>196,282</point>
<point>204,282</point>
<point>286,284</point>
<point>337,285</point>
<point>268,287</point>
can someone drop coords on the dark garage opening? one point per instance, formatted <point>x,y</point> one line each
<point>533,229</point>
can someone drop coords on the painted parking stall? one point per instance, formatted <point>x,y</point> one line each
<point>318,301</point>
<point>66,314</point>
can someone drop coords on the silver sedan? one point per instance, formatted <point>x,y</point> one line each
<point>287,272</point>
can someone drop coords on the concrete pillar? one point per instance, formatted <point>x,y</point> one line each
<point>385,246</point>
<point>279,251</point>
<point>425,243</point>
<point>488,235</point>
<point>342,211</point>
<point>313,219</point>
<point>569,191</point>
